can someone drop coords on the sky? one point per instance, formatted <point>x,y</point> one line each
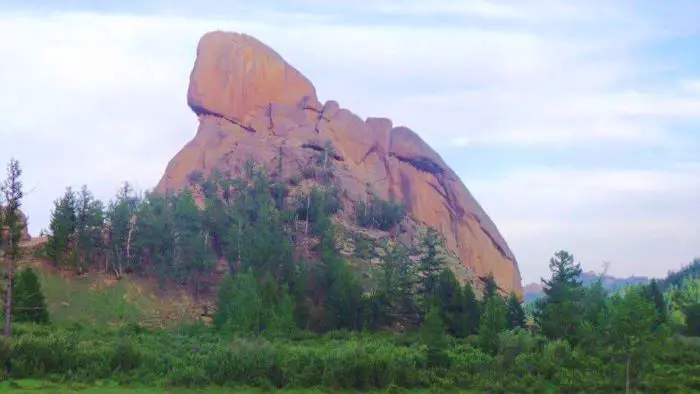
<point>576,125</point>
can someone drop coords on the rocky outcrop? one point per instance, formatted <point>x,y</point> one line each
<point>24,231</point>
<point>251,104</point>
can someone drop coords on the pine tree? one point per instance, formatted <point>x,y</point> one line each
<point>62,228</point>
<point>560,311</point>
<point>156,237</point>
<point>472,310</point>
<point>193,256</point>
<point>240,304</point>
<point>493,322</point>
<point>432,334</point>
<point>653,294</point>
<point>89,222</point>
<point>516,314</point>
<point>395,296</point>
<point>692,319</point>
<point>281,322</point>
<point>490,287</point>
<point>631,330</point>
<point>13,193</point>
<point>430,266</point>
<point>450,301</point>
<point>29,304</point>
<point>121,218</point>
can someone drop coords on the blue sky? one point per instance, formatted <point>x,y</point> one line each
<point>575,124</point>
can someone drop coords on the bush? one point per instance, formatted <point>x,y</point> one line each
<point>199,356</point>
<point>28,303</point>
<point>380,214</point>
<point>319,202</point>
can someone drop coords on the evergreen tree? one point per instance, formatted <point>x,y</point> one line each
<point>156,237</point>
<point>29,304</point>
<point>89,222</point>
<point>430,267</point>
<point>493,321</point>
<point>240,304</point>
<point>450,303</point>
<point>692,319</point>
<point>490,288</point>
<point>631,330</point>
<point>12,190</point>
<point>432,335</point>
<point>395,298</point>
<point>193,256</point>
<point>516,314</point>
<point>653,293</point>
<point>62,228</point>
<point>343,303</point>
<point>121,219</point>
<point>281,322</point>
<point>594,301</point>
<point>560,311</point>
<point>472,310</point>
<point>343,307</point>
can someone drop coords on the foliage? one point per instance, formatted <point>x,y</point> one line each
<point>515,313</point>
<point>560,311</point>
<point>493,322</point>
<point>28,304</point>
<point>290,319</point>
<point>61,227</point>
<point>432,335</point>
<point>430,266</point>
<point>380,214</point>
<point>490,287</point>
<point>471,310</point>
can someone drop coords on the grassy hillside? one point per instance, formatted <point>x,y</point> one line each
<point>96,299</point>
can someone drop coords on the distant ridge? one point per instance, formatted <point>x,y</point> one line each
<point>534,290</point>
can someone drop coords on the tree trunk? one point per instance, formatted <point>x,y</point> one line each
<point>239,244</point>
<point>627,374</point>
<point>308,206</point>
<point>128,242</point>
<point>8,297</point>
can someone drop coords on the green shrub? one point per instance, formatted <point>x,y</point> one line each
<point>199,356</point>
<point>380,214</point>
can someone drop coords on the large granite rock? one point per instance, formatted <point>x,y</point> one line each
<point>252,104</point>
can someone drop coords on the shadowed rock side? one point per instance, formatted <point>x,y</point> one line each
<point>252,104</point>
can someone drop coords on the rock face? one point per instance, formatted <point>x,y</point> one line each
<point>24,229</point>
<point>251,104</point>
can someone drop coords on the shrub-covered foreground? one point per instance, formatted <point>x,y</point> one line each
<point>199,356</point>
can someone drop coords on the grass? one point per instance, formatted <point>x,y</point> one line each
<point>42,386</point>
<point>101,301</point>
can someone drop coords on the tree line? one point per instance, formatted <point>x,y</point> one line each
<point>270,289</point>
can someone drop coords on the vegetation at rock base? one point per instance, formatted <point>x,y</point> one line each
<point>290,314</point>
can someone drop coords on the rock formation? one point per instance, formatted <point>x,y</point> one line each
<point>23,226</point>
<point>252,104</point>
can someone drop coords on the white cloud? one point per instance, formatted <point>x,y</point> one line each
<point>480,8</point>
<point>643,221</point>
